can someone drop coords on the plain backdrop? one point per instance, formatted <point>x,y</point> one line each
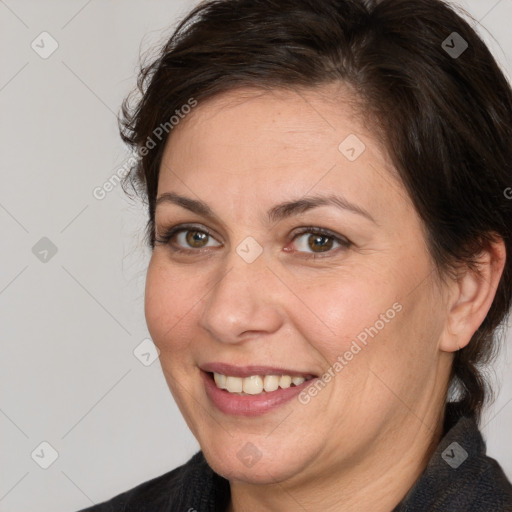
<point>73,266</point>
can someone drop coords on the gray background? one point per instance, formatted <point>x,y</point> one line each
<point>70,321</point>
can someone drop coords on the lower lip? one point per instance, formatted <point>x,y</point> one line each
<point>249,405</point>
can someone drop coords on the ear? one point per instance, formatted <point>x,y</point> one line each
<point>471,296</point>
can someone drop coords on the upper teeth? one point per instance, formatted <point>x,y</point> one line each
<point>255,384</point>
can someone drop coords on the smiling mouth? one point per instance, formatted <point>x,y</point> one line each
<point>256,384</point>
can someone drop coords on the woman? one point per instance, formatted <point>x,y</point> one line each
<point>326,185</point>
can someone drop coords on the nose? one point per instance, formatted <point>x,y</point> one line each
<point>245,302</point>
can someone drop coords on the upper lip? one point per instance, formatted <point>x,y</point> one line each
<point>250,370</point>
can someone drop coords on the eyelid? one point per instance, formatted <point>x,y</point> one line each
<point>321,231</point>
<point>343,242</point>
<point>169,233</point>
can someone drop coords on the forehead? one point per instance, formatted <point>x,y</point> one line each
<point>285,142</point>
<point>249,117</point>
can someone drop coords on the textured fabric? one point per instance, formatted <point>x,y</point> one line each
<point>458,478</point>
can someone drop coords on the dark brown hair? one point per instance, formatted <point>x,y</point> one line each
<point>443,111</point>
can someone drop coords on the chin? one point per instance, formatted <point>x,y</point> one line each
<point>252,465</point>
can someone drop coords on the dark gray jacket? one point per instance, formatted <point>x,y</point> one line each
<point>458,478</point>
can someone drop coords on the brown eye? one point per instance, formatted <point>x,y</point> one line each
<point>186,238</point>
<point>196,239</point>
<point>317,241</point>
<point>321,242</point>
<point>190,239</point>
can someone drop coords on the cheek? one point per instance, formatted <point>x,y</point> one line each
<point>375,320</point>
<point>343,309</point>
<point>169,304</point>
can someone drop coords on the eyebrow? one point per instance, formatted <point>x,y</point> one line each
<point>276,213</point>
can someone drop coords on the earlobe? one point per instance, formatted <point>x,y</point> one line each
<point>471,297</point>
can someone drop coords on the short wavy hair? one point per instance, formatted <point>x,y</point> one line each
<point>436,97</point>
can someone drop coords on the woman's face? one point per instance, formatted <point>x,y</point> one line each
<point>257,284</point>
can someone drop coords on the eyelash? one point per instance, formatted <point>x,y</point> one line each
<point>170,233</point>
